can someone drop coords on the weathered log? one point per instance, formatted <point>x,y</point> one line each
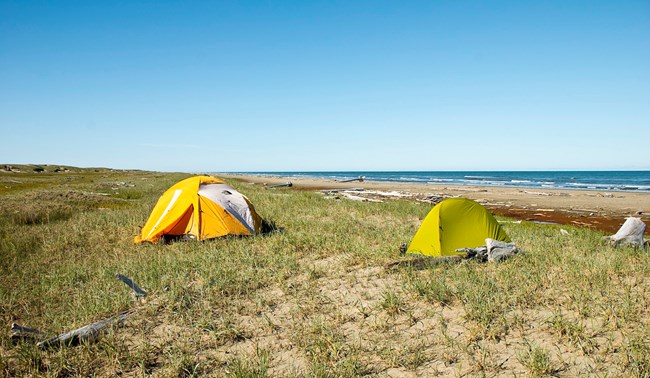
<point>287,184</point>
<point>360,179</point>
<point>357,198</point>
<point>136,289</point>
<point>19,332</point>
<point>334,191</point>
<point>87,333</point>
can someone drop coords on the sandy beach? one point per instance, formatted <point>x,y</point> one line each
<point>604,211</point>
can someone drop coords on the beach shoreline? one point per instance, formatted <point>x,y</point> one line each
<point>600,210</point>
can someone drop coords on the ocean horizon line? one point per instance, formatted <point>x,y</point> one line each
<point>619,180</point>
<point>446,170</point>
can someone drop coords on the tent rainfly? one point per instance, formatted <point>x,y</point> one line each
<point>200,207</point>
<point>453,224</point>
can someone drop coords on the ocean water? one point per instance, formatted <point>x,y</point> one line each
<point>631,181</point>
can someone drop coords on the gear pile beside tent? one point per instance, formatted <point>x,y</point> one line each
<point>461,227</point>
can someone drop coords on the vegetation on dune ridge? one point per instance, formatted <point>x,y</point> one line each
<point>317,297</point>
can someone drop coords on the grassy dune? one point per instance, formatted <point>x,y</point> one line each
<point>314,298</point>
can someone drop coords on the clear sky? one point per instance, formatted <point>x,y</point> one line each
<point>326,85</point>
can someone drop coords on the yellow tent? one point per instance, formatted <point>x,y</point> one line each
<point>200,207</point>
<point>452,224</point>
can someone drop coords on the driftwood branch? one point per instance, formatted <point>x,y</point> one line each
<point>360,179</point>
<point>87,333</point>
<point>136,289</point>
<point>84,334</point>
<point>358,198</point>
<point>19,332</point>
<point>287,184</point>
<point>335,191</point>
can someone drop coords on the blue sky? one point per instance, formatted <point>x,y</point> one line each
<point>326,85</point>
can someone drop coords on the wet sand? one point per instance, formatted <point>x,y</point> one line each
<point>604,211</point>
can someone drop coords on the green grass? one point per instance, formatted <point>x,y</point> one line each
<point>312,299</point>
<point>537,361</point>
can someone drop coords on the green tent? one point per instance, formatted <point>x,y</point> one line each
<point>452,224</point>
